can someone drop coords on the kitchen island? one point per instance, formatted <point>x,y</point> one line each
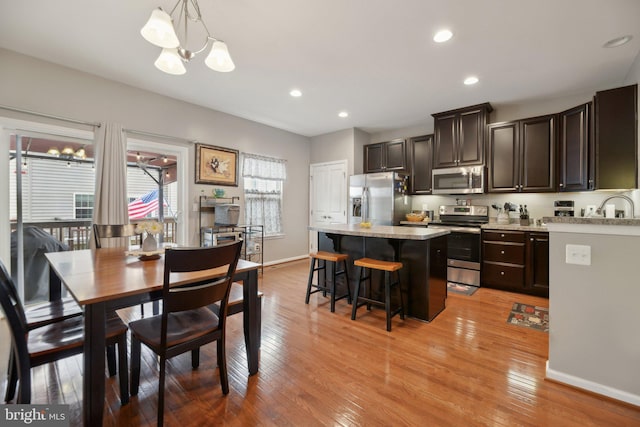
<point>422,251</point>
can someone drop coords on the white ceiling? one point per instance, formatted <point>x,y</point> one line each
<point>373,58</point>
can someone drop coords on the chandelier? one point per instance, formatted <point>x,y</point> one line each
<point>160,31</point>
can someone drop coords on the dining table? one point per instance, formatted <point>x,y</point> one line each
<point>101,280</point>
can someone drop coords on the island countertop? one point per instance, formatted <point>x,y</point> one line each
<point>381,231</point>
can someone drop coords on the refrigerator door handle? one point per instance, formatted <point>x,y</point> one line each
<point>365,204</point>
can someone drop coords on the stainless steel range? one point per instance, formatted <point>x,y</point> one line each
<point>464,242</point>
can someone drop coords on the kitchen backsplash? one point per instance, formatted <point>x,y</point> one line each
<point>538,204</point>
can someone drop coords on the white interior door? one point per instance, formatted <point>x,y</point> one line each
<point>328,196</point>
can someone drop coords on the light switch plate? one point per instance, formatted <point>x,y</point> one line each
<point>578,254</point>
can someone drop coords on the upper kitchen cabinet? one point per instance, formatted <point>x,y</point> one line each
<point>459,136</point>
<point>521,155</point>
<point>576,149</point>
<point>616,137</point>
<point>421,148</point>
<point>386,156</point>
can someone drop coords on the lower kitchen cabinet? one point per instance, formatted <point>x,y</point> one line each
<point>538,263</point>
<point>516,261</point>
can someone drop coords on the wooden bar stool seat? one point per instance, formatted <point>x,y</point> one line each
<point>387,267</point>
<point>319,262</point>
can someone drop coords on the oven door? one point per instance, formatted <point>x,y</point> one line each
<point>463,255</point>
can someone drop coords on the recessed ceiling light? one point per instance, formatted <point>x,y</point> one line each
<point>442,36</point>
<point>295,93</point>
<point>471,80</point>
<point>618,41</point>
<point>343,114</point>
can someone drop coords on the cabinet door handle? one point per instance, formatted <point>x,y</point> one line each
<point>502,235</point>
<point>561,185</point>
<point>502,273</point>
<point>531,239</point>
<point>502,252</point>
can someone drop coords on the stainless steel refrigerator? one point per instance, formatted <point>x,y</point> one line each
<point>379,198</point>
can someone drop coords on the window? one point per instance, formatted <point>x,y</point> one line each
<point>263,183</point>
<point>83,206</point>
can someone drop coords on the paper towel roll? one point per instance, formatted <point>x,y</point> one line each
<point>610,211</point>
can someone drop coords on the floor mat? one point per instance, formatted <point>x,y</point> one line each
<point>460,289</point>
<point>529,316</point>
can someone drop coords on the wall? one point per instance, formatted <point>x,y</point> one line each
<point>538,204</point>
<point>334,146</point>
<point>593,337</point>
<point>40,86</point>
<point>361,138</point>
<point>424,128</point>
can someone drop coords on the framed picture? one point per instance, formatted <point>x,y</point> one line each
<point>216,165</point>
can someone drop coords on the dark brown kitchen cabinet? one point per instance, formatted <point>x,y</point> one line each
<point>516,261</point>
<point>459,136</point>
<point>386,156</point>
<point>537,267</point>
<point>576,165</point>
<point>521,155</point>
<point>616,138</point>
<point>421,148</point>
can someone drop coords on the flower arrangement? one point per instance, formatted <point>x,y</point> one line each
<point>149,227</point>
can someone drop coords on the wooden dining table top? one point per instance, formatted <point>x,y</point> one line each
<point>93,276</point>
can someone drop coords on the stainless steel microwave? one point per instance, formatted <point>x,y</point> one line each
<point>460,180</point>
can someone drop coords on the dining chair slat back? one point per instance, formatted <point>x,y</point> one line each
<point>109,231</point>
<point>185,323</point>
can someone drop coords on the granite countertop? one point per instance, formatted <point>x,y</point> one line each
<point>628,227</point>
<point>514,226</point>
<point>591,220</point>
<point>382,231</point>
<point>489,226</point>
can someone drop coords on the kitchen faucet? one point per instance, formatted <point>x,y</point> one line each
<point>621,196</point>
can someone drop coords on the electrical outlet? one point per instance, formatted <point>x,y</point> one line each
<point>578,254</point>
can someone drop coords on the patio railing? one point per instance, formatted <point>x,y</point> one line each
<point>76,233</point>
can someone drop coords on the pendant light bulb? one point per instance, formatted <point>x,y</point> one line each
<point>159,30</point>
<point>169,61</point>
<point>219,58</point>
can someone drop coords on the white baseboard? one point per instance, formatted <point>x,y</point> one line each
<point>283,260</point>
<point>592,386</point>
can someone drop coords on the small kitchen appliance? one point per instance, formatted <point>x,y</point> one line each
<point>563,208</point>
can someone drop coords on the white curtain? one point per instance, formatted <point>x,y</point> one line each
<point>264,178</point>
<point>110,200</point>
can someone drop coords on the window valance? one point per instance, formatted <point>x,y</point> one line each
<point>262,167</point>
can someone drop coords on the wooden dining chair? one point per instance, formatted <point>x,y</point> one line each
<point>185,323</point>
<point>104,231</point>
<point>49,343</point>
<point>42,314</point>
<point>110,231</point>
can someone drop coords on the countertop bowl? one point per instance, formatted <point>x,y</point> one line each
<point>414,217</point>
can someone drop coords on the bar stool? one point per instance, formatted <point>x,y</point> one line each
<point>322,258</point>
<point>387,267</point>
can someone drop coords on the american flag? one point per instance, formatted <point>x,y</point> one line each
<point>144,205</point>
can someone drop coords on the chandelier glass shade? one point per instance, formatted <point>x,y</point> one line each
<point>161,30</point>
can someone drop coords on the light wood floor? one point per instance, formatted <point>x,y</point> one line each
<point>467,367</point>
